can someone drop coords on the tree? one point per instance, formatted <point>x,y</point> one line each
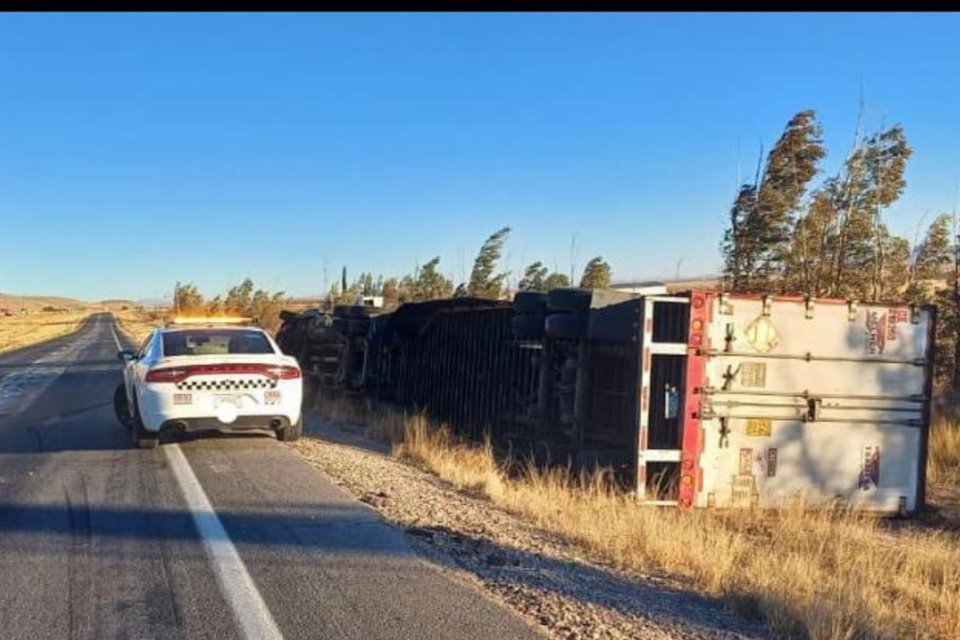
<point>239,298</point>
<point>556,280</point>
<point>483,282</point>
<point>757,244</point>
<point>596,275</point>
<point>391,294</point>
<point>406,289</point>
<point>430,283</point>
<point>187,299</point>
<point>533,278</point>
<point>934,255</point>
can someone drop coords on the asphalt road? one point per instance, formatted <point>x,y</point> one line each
<point>205,537</point>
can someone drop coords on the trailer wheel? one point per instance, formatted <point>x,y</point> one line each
<point>530,302</point>
<point>564,326</point>
<point>569,300</point>
<point>528,325</point>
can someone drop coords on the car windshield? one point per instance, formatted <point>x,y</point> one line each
<point>196,342</point>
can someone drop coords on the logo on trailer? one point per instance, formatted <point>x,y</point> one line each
<point>882,328</point>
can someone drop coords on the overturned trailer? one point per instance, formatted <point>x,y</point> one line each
<point>696,400</point>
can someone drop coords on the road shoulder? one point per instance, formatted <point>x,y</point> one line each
<point>549,581</point>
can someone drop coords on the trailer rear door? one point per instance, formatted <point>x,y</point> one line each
<point>814,401</point>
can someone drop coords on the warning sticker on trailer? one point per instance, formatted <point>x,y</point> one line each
<point>760,427</point>
<point>771,462</point>
<point>746,462</point>
<point>753,374</point>
<point>762,335</point>
<point>870,467</point>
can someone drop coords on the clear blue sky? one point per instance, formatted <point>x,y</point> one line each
<point>137,150</point>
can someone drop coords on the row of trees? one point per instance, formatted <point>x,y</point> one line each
<point>787,234</point>
<point>487,279</point>
<point>242,300</point>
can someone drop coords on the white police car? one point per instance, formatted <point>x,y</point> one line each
<point>209,374</point>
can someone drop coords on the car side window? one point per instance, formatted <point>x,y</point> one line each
<point>145,346</point>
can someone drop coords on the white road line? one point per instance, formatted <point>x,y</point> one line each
<point>249,609</point>
<point>113,332</point>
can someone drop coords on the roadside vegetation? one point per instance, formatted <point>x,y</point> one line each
<point>242,300</point>
<point>827,573</point>
<point>138,322</point>
<point>18,331</point>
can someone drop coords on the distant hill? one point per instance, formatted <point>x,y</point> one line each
<point>117,303</point>
<point>35,303</point>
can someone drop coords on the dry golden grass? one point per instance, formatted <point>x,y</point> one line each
<point>137,324</point>
<point>944,458</point>
<point>827,573</point>
<point>24,330</point>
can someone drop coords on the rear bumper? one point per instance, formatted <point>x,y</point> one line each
<point>159,411</point>
<point>242,422</point>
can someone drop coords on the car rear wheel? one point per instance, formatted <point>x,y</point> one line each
<point>291,432</point>
<point>142,438</point>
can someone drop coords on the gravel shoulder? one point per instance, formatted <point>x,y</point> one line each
<point>553,583</point>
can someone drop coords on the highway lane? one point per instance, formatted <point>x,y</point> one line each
<point>205,537</point>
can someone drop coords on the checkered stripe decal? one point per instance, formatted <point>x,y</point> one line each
<point>227,384</point>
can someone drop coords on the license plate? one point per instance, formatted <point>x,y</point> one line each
<point>234,400</point>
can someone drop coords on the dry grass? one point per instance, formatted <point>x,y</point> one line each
<point>137,324</point>
<point>943,466</point>
<point>822,574</point>
<point>22,331</point>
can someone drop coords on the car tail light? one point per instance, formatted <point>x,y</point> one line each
<point>284,372</point>
<point>168,375</point>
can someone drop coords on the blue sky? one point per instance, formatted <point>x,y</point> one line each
<point>141,149</point>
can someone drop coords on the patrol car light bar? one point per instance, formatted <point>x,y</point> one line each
<point>207,320</point>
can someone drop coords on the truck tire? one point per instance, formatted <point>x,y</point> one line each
<point>358,311</point>
<point>528,325</point>
<point>530,302</point>
<point>569,300</point>
<point>564,326</point>
<point>292,432</point>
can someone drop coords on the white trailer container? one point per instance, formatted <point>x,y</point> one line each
<point>776,399</point>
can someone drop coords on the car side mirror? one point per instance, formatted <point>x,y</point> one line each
<point>126,355</point>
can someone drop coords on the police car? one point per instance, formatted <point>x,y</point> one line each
<point>208,373</point>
